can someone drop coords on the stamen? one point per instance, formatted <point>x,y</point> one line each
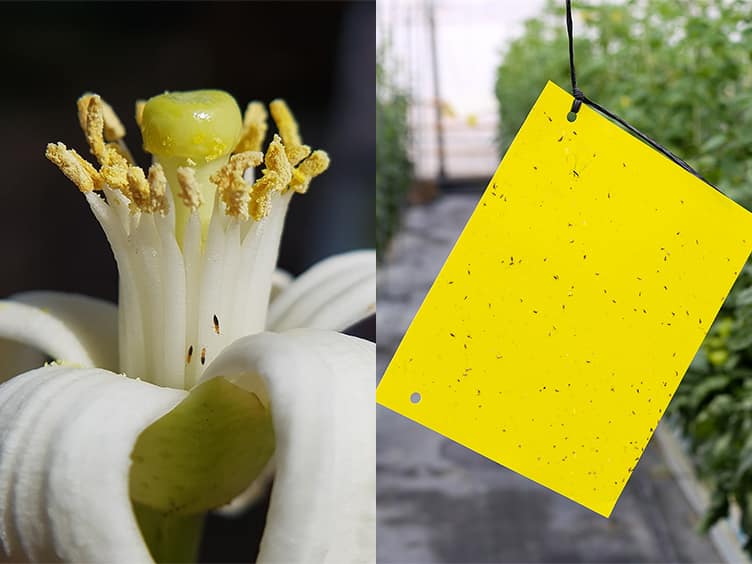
<point>189,355</point>
<point>91,118</point>
<point>310,168</point>
<point>276,176</point>
<point>158,185</point>
<point>113,158</point>
<point>189,190</point>
<point>115,169</point>
<point>140,111</point>
<point>288,129</point>
<point>254,128</point>
<point>233,189</point>
<point>75,167</point>
<point>138,188</point>
<point>114,130</point>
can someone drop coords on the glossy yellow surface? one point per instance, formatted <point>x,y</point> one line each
<point>201,125</point>
<point>571,306</point>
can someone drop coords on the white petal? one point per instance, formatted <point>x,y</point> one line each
<point>17,358</point>
<point>66,327</point>
<point>320,386</point>
<point>94,322</point>
<point>333,294</point>
<point>281,279</point>
<point>252,494</point>
<point>66,437</point>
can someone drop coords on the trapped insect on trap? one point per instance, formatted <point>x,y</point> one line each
<point>573,302</point>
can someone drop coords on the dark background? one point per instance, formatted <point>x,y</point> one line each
<point>320,57</point>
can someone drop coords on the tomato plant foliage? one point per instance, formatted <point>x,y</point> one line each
<point>393,165</point>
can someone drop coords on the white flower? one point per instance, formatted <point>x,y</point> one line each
<point>171,404</point>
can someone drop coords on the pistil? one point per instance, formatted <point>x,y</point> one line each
<point>198,130</point>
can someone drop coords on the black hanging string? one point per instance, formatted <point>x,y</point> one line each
<point>580,98</point>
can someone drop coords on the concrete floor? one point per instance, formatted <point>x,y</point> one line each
<point>440,502</point>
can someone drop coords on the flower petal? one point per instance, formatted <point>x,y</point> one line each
<point>281,279</point>
<point>252,494</point>
<point>66,436</point>
<point>17,358</point>
<point>319,385</point>
<point>66,327</point>
<point>333,294</point>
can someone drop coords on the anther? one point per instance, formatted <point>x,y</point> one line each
<point>189,191</point>
<point>158,189</point>
<point>138,189</point>
<point>75,167</point>
<point>275,177</point>
<point>310,168</point>
<point>114,130</point>
<point>254,128</point>
<point>233,189</point>
<point>91,118</point>
<point>288,129</point>
<point>139,113</point>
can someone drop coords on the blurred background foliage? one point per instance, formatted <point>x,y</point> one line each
<point>394,169</point>
<point>681,72</point>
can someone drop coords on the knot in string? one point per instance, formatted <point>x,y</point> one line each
<point>580,98</point>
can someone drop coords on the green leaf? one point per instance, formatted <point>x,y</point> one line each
<point>719,508</point>
<point>702,392</point>
<point>744,297</point>
<point>715,142</point>
<point>204,452</point>
<point>740,340</point>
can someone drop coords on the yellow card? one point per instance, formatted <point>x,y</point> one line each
<point>571,306</point>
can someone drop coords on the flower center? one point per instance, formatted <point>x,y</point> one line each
<point>196,238</point>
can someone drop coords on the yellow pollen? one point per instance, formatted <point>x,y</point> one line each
<point>140,111</point>
<point>75,167</point>
<point>233,189</point>
<point>310,168</point>
<point>114,130</point>
<point>91,118</point>
<point>189,189</point>
<point>115,169</point>
<point>275,177</point>
<point>138,188</point>
<point>288,129</point>
<point>158,185</point>
<point>297,153</point>
<point>276,161</point>
<point>254,128</point>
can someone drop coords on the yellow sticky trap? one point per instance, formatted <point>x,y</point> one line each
<point>572,304</point>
